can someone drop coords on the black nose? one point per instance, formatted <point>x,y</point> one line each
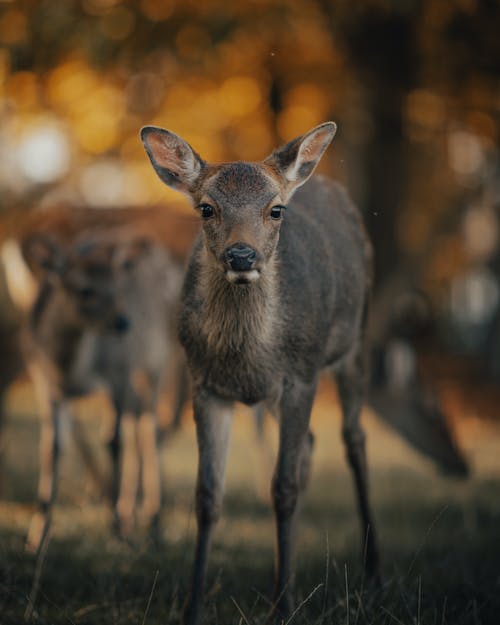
<point>241,257</point>
<point>121,323</point>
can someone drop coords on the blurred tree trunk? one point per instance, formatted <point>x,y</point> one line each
<point>385,164</point>
<point>380,48</point>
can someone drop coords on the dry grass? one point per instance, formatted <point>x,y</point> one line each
<point>440,538</point>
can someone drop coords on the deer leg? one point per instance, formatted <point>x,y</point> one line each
<point>129,475</point>
<point>151,483</point>
<point>213,418</point>
<point>305,462</point>
<point>290,476</point>
<point>114,449</point>
<point>47,485</point>
<point>39,532</point>
<point>146,388</point>
<point>350,384</point>
<point>180,396</point>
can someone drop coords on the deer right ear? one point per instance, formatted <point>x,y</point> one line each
<point>173,159</point>
<point>297,160</point>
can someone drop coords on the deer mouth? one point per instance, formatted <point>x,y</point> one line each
<point>242,277</point>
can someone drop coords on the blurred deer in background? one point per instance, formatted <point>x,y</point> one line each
<point>276,290</point>
<point>103,316</point>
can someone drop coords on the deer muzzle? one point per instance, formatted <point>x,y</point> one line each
<point>241,260</point>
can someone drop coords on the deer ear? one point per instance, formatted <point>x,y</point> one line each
<point>174,160</point>
<point>43,253</point>
<point>297,160</point>
<point>130,252</point>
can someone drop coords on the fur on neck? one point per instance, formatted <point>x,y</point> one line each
<point>239,317</point>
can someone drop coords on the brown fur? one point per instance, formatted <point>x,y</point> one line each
<point>271,296</point>
<point>104,317</point>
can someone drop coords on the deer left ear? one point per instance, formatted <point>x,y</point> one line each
<point>127,255</point>
<point>297,160</point>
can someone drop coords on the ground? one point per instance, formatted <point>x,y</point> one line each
<point>440,537</point>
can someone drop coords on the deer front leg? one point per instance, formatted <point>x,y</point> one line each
<point>151,478</point>
<point>113,445</point>
<point>290,477</point>
<point>47,483</point>
<point>129,477</point>
<point>213,417</point>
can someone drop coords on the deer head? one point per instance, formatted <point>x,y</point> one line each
<point>241,204</point>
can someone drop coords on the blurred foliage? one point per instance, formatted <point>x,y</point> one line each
<point>414,85</point>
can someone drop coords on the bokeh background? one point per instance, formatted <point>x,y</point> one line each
<point>414,86</point>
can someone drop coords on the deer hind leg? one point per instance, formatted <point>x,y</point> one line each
<point>290,477</point>
<point>350,384</point>
<point>213,418</point>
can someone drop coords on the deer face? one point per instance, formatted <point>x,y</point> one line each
<point>241,204</point>
<point>93,274</point>
<point>93,283</point>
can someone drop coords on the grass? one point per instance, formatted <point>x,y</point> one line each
<point>440,538</point>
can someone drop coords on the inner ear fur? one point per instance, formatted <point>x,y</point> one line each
<point>173,159</point>
<point>296,160</point>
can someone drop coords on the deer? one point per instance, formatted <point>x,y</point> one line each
<point>276,290</point>
<point>103,318</point>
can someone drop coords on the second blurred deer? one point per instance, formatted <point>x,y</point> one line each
<point>103,317</point>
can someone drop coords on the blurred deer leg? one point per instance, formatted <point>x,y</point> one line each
<point>50,414</point>
<point>350,383</point>
<point>290,475</point>
<point>213,418</point>
<point>113,445</point>
<point>180,395</point>
<point>151,483</point>
<point>129,474</point>
<point>39,532</point>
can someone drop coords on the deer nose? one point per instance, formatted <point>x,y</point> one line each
<point>240,257</point>
<point>121,323</point>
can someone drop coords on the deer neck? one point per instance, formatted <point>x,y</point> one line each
<point>241,318</point>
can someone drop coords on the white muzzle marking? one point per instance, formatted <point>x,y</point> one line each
<point>242,276</point>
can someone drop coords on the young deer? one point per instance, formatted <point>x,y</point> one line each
<point>103,317</point>
<point>276,290</point>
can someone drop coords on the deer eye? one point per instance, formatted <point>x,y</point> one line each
<point>276,212</point>
<point>207,210</point>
